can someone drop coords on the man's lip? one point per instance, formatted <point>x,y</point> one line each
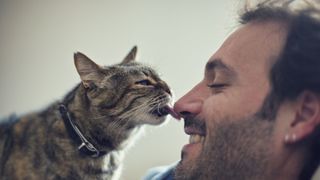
<point>191,130</point>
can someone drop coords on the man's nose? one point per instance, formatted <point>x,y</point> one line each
<point>187,109</point>
<point>191,103</point>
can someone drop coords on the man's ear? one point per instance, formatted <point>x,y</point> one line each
<point>306,118</point>
<point>89,71</point>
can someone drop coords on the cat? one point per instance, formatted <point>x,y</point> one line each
<point>83,136</point>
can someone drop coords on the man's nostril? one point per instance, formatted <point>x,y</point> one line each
<point>185,113</point>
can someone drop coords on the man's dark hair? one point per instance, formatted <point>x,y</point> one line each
<point>298,67</point>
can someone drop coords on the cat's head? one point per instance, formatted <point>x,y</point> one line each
<point>129,92</point>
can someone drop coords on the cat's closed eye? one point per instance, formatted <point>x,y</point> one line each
<point>144,82</point>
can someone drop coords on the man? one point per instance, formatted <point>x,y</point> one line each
<point>256,113</point>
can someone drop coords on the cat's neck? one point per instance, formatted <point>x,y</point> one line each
<point>84,145</point>
<point>106,136</point>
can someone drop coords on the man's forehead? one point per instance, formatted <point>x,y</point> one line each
<point>250,45</point>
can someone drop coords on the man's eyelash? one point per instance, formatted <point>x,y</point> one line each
<point>217,85</point>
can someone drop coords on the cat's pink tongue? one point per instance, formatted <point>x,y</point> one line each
<point>173,113</point>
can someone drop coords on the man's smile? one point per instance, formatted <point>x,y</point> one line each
<point>195,138</point>
<point>196,130</point>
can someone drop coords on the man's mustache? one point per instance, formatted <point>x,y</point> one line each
<point>195,123</point>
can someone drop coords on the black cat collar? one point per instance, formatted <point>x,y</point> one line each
<point>75,134</point>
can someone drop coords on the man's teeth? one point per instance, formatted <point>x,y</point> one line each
<point>195,138</point>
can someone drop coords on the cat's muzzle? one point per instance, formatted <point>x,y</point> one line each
<point>165,110</point>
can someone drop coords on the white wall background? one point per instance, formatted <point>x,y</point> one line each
<point>38,39</point>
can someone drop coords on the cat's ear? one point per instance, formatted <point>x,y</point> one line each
<point>131,56</point>
<point>89,71</point>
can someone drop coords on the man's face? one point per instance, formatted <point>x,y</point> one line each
<point>227,139</point>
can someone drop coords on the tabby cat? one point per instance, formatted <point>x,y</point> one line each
<point>84,135</point>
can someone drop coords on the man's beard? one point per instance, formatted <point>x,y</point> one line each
<point>238,149</point>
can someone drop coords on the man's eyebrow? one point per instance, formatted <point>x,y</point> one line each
<point>217,64</point>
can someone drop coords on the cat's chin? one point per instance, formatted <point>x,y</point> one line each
<point>159,115</point>
<point>164,111</point>
<point>158,120</point>
<point>151,119</point>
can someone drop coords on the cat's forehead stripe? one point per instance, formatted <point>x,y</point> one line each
<point>141,69</point>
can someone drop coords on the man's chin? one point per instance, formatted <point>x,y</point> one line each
<point>189,159</point>
<point>182,171</point>
<point>185,168</point>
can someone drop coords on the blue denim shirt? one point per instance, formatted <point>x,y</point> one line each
<point>160,173</point>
